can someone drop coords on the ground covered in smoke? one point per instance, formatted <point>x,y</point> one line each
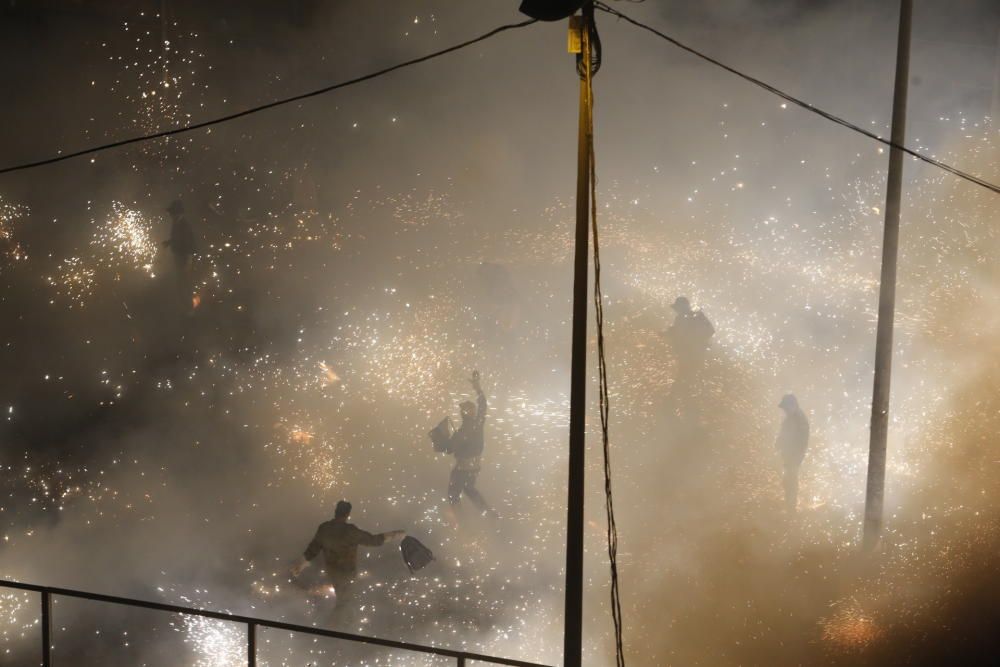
<point>177,436</point>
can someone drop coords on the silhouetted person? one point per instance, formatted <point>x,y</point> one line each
<point>792,441</point>
<point>181,241</point>
<point>689,336</point>
<point>466,445</point>
<point>691,333</point>
<point>338,541</point>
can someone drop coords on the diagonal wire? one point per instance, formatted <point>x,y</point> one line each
<point>602,370</point>
<point>805,105</point>
<point>263,107</point>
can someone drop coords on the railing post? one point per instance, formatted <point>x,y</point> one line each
<point>461,661</point>
<point>46,629</point>
<point>251,645</point>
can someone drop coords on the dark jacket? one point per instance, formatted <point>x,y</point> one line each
<point>793,438</point>
<point>467,442</point>
<point>339,541</point>
<point>181,237</point>
<point>691,332</point>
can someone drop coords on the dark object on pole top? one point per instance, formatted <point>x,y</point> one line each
<point>415,554</point>
<point>550,10</point>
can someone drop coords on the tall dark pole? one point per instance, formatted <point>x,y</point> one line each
<point>995,106</point>
<point>46,629</point>
<point>875,493</point>
<point>573,639</point>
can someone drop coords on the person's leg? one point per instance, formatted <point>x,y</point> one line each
<point>455,485</point>
<point>475,496</point>
<point>791,484</point>
<point>343,586</point>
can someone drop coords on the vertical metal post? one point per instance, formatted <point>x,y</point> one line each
<point>573,636</point>
<point>46,629</point>
<point>251,645</point>
<point>995,105</point>
<point>461,661</point>
<point>875,492</point>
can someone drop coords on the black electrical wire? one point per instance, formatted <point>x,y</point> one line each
<point>263,107</point>
<point>602,367</point>
<point>805,105</point>
<point>596,53</point>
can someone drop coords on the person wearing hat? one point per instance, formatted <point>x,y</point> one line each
<point>181,241</point>
<point>792,441</point>
<point>466,445</point>
<point>689,336</point>
<point>338,541</point>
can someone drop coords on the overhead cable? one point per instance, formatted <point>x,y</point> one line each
<point>263,107</point>
<point>805,105</point>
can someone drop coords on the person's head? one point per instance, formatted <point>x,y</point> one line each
<point>175,208</point>
<point>789,403</point>
<point>681,305</point>
<point>467,409</point>
<point>343,510</point>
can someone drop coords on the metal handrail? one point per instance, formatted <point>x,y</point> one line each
<point>252,624</point>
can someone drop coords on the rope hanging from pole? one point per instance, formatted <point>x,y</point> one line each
<point>602,368</point>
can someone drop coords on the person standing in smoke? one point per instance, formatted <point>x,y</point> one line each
<point>466,445</point>
<point>691,333</point>
<point>793,438</point>
<point>689,337</point>
<point>338,541</point>
<point>181,241</point>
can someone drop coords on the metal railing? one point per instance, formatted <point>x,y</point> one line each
<point>252,624</point>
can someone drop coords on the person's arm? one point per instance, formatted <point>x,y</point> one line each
<point>782,431</point>
<point>300,565</point>
<point>307,557</point>
<point>707,324</point>
<point>394,536</point>
<point>481,405</point>
<point>378,539</point>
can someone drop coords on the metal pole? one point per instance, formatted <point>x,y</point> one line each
<point>573,637</point>
<point>461,661</point>
<point>995,106</point>
<point>251,645</point>
<point>875,493</point>
<point>46,629</point>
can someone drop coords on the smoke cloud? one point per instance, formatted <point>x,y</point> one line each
<point>178,434</point>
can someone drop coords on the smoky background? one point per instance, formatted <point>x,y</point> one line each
<point>179,451</point>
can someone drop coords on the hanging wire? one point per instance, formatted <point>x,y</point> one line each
<point>270,105</point>
<point>803,104</point>
<point>595,53</point>
<point>602,367</point>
